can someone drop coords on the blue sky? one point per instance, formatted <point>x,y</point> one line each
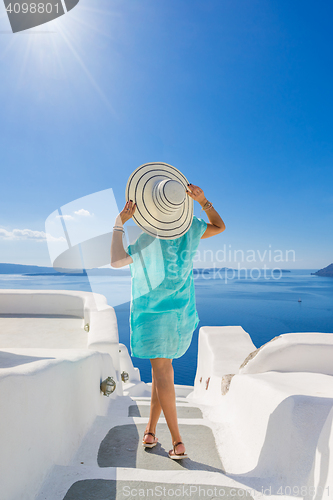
<point>235,94</point>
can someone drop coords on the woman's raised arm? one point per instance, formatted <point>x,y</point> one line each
<point>120,258</point>
<point>216,224</point>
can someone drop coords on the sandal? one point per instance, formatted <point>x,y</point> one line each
<point>174,455</point>
<point>148,445</point>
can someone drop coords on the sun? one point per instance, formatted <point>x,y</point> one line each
<point>58,50</point>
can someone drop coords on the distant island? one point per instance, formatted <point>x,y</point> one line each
<point>50,271</point>
<point>327,272</point>
<point>28,270</point>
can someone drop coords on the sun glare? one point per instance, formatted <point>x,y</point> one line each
<point>54,50</point>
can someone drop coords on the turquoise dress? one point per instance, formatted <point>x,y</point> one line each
<point>163,312</point>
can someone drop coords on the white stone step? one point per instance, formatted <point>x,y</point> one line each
<point>87,483</point>
<point>183,411</point>
<point>179,399</point>
<point>116,442</point>
<point>112,464</point>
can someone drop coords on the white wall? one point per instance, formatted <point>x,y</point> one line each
<point>269,426</point>
<point>274,425</point>
<point>42,302</point>
<point>126,365</point>
<point>47,406</point>
<point>221,350</point>
<point>50,397</point>
<point>91,307</point>
<point>294,352</point>
<point>320,479</point>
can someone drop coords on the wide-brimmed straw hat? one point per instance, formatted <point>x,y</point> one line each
<point>163,209</point>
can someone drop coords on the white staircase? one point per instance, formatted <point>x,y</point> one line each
<point>111,462</point>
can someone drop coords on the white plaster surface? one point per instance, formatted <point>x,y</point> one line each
<point>45,302</point>
<point>268,425</point>
<point>126,365</point>
<point>321,475</point>
<point>274,425</point>
<point>303,352</point>
<point>45,332</point>
<point>91,308</point>
<point>221,350</point>
<point>47,406</point>
<point>50,375</point>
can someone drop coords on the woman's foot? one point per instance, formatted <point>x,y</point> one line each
<point>178,451</point>
<point>149,440</point>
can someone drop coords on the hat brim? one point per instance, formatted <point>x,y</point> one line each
<point>147,216</point>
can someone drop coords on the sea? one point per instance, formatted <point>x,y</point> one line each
<point>264,305</point>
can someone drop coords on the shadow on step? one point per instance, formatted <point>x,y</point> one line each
<point>10,360</point>
<point>122,447</point>
<point>101,489</point>
<point>182,411</point>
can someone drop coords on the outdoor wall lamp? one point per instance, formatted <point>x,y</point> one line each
<point>124,376</point>
<point>108,386</point>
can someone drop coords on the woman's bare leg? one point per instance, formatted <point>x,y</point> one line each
<point>155,411</point>
<point>165,389</point>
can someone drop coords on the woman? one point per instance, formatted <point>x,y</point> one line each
<point>170,299</point>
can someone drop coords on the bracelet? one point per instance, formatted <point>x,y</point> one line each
<point>210,206</point>
<point>120,227</point>
<point>207,206</point>
<point>117,229</point>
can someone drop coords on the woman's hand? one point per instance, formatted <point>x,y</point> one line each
<point>128,211</point>
<point>196,193</point>
<point>119,257</point>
